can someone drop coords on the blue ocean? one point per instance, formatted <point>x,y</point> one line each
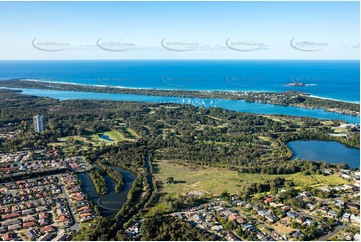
<point>328,79</point>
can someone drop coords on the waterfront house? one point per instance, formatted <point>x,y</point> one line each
<point>86,218</point>
<point>85,215</point>
<point>83,208</point>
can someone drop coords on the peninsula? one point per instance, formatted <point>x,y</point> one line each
<point>289,98</point>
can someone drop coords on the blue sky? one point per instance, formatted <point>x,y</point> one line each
<point>189,30</point>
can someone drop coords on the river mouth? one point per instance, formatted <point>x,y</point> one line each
<point>331,152</point>
<point>110,203</point>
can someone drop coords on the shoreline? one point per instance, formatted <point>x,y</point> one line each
<point>288,98</point>
<point>333,99</point>
<point>175,90</point>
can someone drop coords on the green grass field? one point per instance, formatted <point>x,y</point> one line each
<point>89,138</point>
<point>133,134</point>
<point>316,180</point>
<point>209,180</point>
<point>215,180</point>
<point>115,135</point>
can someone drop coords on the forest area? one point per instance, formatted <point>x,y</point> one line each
<point>207,137</point>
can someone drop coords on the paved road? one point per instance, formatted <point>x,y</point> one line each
<point>336,230</point>
<point>76,225</point>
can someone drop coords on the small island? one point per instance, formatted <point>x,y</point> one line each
<point>296,84</point>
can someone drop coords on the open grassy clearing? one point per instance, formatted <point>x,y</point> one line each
<point>188,178</point>
<point>216,118</point>
<point>115,135</point>
<point>133,133</point>
<point>316,180</point>
<point>214,181</point>
<point>85,142</point>
<point>128,133</point>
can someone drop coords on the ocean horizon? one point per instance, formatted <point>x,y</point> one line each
<point>331,79</point>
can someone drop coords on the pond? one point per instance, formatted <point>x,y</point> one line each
<point>110,203</point>
<point>330,152</point>
<point>105,137</point>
